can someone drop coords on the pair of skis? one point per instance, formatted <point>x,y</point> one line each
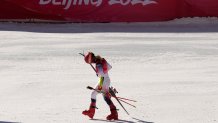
<point>112,92</point>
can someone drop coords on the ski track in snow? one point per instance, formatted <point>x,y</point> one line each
<point>170,68</point>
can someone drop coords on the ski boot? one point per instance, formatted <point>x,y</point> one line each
<point>91,112</point>
<point>114,114</point>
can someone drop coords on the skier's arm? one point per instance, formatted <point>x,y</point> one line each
<point>102,69</point>
<point>100,72</point>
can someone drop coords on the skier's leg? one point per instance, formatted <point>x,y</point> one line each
<point>105,88</point>
<point>91,111</point>
<point>107,98</point>
<point>113,109</point>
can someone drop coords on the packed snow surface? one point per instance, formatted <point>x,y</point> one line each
<point>170,68</point>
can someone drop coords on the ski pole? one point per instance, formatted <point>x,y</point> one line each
<point>90,63</point>
<point>127,103</point>
<point>119,98</point>
<point>114,95</point>
<point>91,88</point>
<point>126,99</point>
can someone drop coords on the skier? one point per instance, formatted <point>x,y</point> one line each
<point>102,68</point>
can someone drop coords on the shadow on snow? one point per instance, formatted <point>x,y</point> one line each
<point>123,121</point>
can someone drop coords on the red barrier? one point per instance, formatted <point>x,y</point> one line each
<point>107,10</point>
<point>200,8</point>
<point>13,11</point>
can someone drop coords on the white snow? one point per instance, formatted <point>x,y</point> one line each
<point>170,68</point>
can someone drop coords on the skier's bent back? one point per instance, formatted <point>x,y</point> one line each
<point>102,68</point>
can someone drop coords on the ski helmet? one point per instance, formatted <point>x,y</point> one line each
<point>89,58</point>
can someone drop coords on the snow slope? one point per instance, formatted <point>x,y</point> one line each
<point>170,68</point>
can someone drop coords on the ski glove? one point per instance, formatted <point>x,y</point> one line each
<point>99,87</point>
